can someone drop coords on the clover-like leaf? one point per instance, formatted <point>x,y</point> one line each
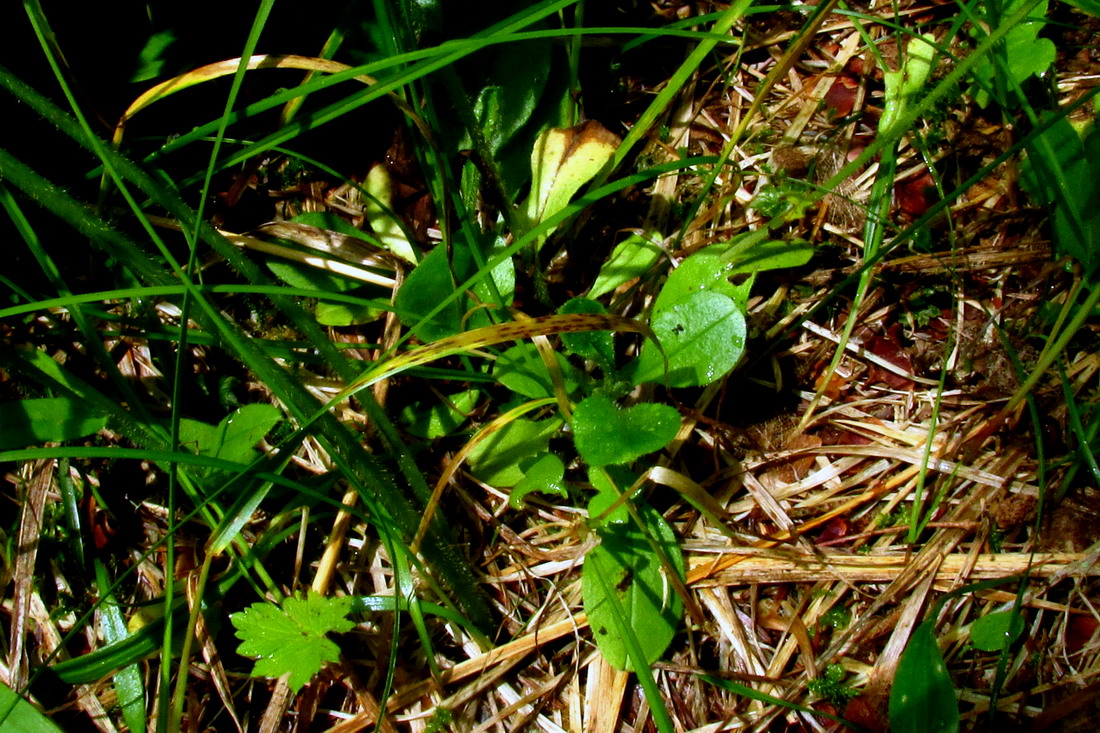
<point>292,639</point>
<point>604,433</point>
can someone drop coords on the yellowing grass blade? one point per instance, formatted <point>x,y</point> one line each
<point>489,336</point>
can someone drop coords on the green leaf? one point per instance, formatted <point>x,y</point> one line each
<point>298,275</point>
<point>923,697</point>
<point>703,336</point>
<point>521,369</point>
<point>563,160</point>
<point>607,496</point>
<point>47,419</point>
<point>502,458</point>
<point>24,717</point>
<point>546,475</point>
<point>440,418</point>
<point>996,631</point>
<point>596,345</point>
<point>624,587</point>
<point>152,60</point>
<point>234,438</point>
<point>605,433</point>
<point>1061,171</point>
<point>129,686</point>
<point>425,287</point>
<point>631,258</point>
<point>1025,53</point>
<point>292,639</point>
<point>378,208</point>
<point>712,267</point>
<point>1089,6</point>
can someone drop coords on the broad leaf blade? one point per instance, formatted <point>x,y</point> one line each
<point>48,419</point>
<point>626,565</point>
<point>923,697</point>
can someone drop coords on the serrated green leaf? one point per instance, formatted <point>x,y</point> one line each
<point>996,631</point>
<point>605,433</point>
<point>703,336</point>
<point>923,697</point>
<point>47,419</point>
<point>624,565</point>
<point>292,639</point>
<point>546,475</point>
<point>502,458</point>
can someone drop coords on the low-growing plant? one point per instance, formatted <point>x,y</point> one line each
<point>568,407</point>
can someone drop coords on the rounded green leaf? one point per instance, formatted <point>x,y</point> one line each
<point>605,433</point>
<point>995,631</point>
<point>703,336</point>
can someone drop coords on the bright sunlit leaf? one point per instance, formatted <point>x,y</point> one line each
<point>563,160</point>
<point>626,590</point>
<point>703,336</point>
<point>292,639</point>
<point>605,433</point>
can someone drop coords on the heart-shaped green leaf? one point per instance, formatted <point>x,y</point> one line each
<point>545,475</point>
<point>606,434</point>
